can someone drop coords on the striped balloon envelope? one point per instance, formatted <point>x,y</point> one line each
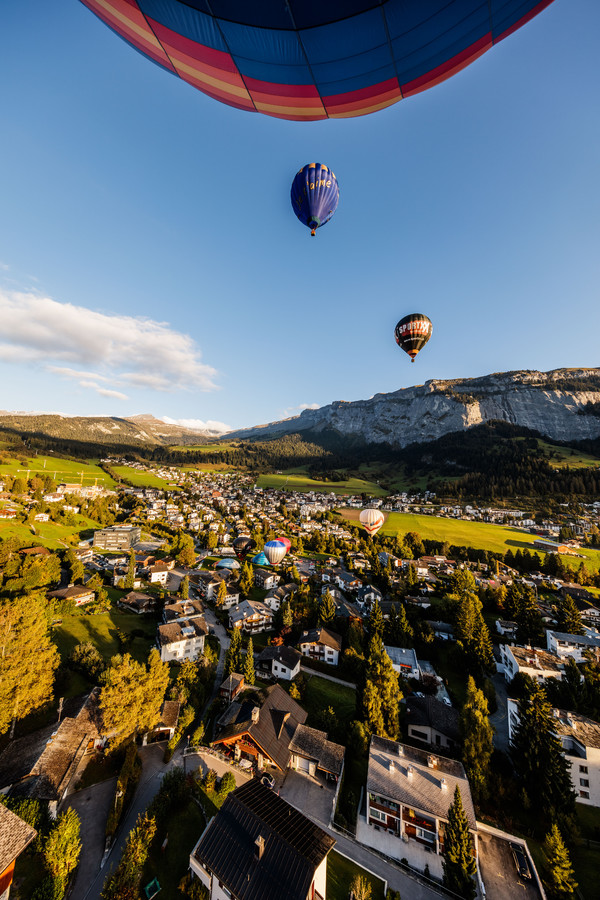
<point>371,520</point>
<point>275,551</point>
<point>297,59</point>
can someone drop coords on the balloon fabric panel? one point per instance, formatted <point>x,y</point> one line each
<point>315,194</point>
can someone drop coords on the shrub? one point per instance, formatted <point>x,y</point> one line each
<point>227,784</point>
<point>210,781</point>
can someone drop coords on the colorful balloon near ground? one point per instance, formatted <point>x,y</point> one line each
<point>315,194</point>
<point>300,60</point>
<point>371,520</point>
<point>242,546</point>
<point>227,563</point>
<point>275,551</point>
<point>260,559</point>
<point>412,333</point>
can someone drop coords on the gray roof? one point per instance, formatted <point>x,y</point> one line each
<point>431,712</point>
<point>313,744</point>
<point>15,836</point>
<point>403,774</point>
<point>285,655</point>
<point>582,639</point>
<point>322,636</point>
<point>173,631</point>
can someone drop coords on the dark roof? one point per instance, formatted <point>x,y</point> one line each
<point>15,836</point>
<point>173,631</point>
<point>181,609</point>
<point>169,714</point>
<point>313,744</point>
<point>293,846</point>
<point>431,712</point>
<point>278,718</point>
<point>71,592</point>
<point>285,655</point>
<point>322,636</point>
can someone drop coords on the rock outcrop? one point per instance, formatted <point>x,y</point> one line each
<point>552,403</point>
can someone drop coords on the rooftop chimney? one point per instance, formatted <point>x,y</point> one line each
<point>443,784</point>
<point>259,846</point>
<point>409,771</point>
<point>255,714</point>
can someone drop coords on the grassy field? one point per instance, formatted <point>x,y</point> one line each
<point>48,534</point>
<point>320,694</point>
<point>140,479</point>
<point>341,872</point>
<point>295,481</point>
<point>182,827</point>
<point>470,534</point>
<point>561,457</point>
<point>59,469</point>
<point>100,630</point>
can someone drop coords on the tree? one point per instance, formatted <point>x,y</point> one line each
<point>473,636</point>
<point>221,594</point>
<point>28,658</point>
<point>246,578</point>
<point>233,661</point>
<point>249,673</point>
<point>87,659</point>
<point>76,569</point>
<point>132,695</point>
<point>400,631</point>
<point>130,577</point>
<point>381,694</point>
<point>124,882</point>
<point>184,587</point>
<point>538,759</point>
<point>186,555</point>
<point>376,620</point>
<point>459,863</point>
<point>559,871</point>
<point>477,740</point>
<point>227,785</point>
<point>568,616</point>
<point>62,847</point>
<point>327,609</point>
<point>361,888</point>
<point>287,617</point>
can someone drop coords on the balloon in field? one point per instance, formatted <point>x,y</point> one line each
<point>243,545</point>
<point>260,559</point>
<point>412,333</point>
<point>315,195</point>
<point>301,60</point>
<point>227,564</point>
<point>275,551</point>
<point>372,520</point>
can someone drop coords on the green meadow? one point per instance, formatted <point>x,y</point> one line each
<point>100,629</point>
<point>68,470</point>
<point>140,479</point>
<point>47,534</point>
<point>296,481</point>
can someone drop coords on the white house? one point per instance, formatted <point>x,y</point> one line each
<point>404,661</point>
<point>280,662</point>
<point>572,646</point>
<point>539,664</point>
<point>321,644</point>
<point>182,639</point>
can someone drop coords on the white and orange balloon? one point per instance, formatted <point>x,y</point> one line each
<point>371,520</point>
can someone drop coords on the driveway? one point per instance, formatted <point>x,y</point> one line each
<point>499,873</point>
<point>204,761</point>
<point>499,719</point>
<point>92,805</point>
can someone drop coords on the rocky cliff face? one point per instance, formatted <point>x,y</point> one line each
<point>548,402</point>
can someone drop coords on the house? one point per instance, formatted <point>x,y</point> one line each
<point>539,664</point>
<point>321,644</point>
<point>507,629</point>
<point>368,594</point>
<point>41,517</point>
<point>167,724</point>
<point>138,602</point>
<point>258,847</point>
<point>183,609</point>
<point>182,639</point>
<point>15,836</point>
<point>158,573</point>
<point>572,646</point>
<point>311,752</point>
<point>208,584</point>
<point>251,616</point>
<point>279,662</point>
<point>580,739</point>
<point>265,579</point>
<point>443,631</point>
<point>344,609</point>
<point>231,687</point>
<point>432,722</point>
<point>280,595</point>
<point>404,661</point>
<point>78,593</point>
<point>408,793</point>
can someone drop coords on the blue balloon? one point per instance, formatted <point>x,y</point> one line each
<point>260,559</point>
<point>315,195</point>
<point>227,563</point>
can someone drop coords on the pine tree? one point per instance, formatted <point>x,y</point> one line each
<point>560,876</point>
<point>233,662</point>
<point>221,594</point>
<point>184,587</point>
<point>568,616</point>
<point>249,673</point>
<point>459,862</point>
<point>477,740</point>
<point>381,695</point>
<point>376,621</point>
<point>28,658</point>
<point>538,759</point>
<point>286,615</point>
<point>473,636</point>
<point>327,609</point>
<point>130,577</point>
<point>246,578</point>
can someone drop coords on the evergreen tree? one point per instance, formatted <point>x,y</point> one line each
<point>538,759</point>
<point>132,695</point>
<point>28,658</point>
<point>233,661</point>
<point>221,595</point>
<point>560,876</point>
<point>249,673</point>
<point>459,863</point>
<point>477,740</point>
<point>473,636</point>
<point>528,618</point>
<point>246,578</point>
<point>568,616</point>
<point>376,621</point>
<point>184,587</point>
<point>130,577</point>
<point>287,617</point>
<point>327,609</point>
<point>381,695</point>
<point>412,578</point>
<point>62,847</point>
<point>124,883</point>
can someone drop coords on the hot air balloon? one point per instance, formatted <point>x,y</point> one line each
<point>315,195</point>
<point>412,333</point>
<point>275,551</point>
<point>301,60</point>
<point>287,542</point>
<point>243,545</point>
<point>260,559</point>
<point>372,520</point>
<point>227,563</point>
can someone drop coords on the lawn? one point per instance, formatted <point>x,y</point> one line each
<point>71,471</point>
<point>341,872</point>
<point>561,457</point>
<point>299,482</point>
<point>100,630</point>
<point>48,534</point>
<point>462,533</point>
<point>321,694</point>
<point>141,479</point>
<point>182,828</point>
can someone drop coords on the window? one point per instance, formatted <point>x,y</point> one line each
<point>584,782</point>
<point>377,814</point>
<point>583,769</point>
<point>584,794</point>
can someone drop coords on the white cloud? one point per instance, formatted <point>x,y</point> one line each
<point>104,392</point>
<point>294,410</point>
<point>112,349</point>
<point>198,424</point>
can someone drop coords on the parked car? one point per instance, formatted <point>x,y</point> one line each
<point>521,864</point>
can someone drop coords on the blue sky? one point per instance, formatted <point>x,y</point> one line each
<point>150,260</point>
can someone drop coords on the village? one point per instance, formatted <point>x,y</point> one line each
<point>341,684</point>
